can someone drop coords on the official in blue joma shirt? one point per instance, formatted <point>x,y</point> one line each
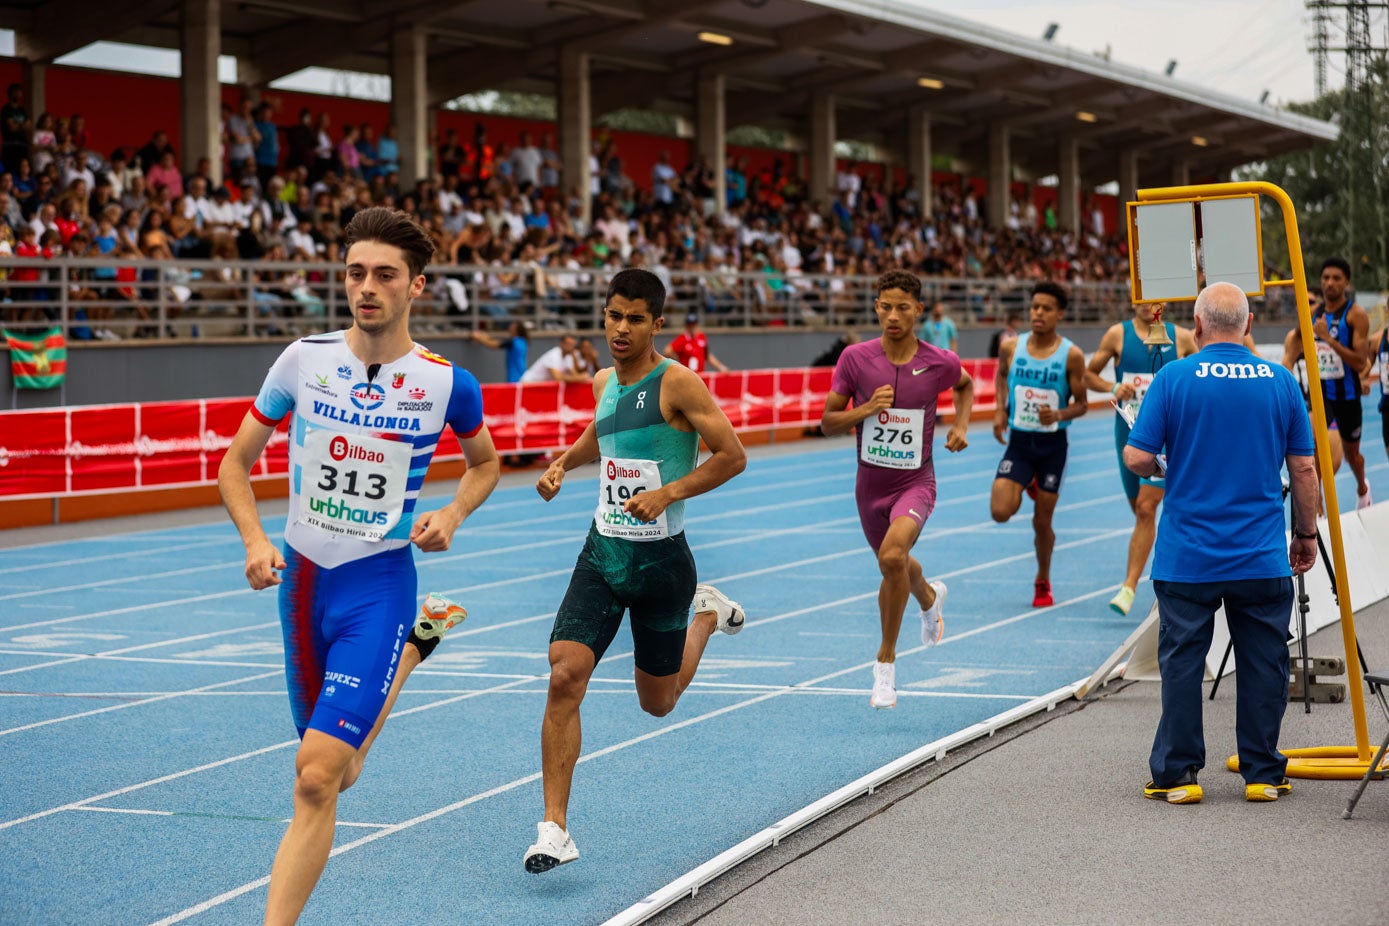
<point>1228,421</point>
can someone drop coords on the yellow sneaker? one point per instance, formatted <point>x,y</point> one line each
<point>1184,790</point>
<point>1263,792</point>
<point>1121,602</point>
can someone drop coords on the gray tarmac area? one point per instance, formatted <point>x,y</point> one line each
<point>1046,823</point>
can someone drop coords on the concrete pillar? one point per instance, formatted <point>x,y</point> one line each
<point>820,147</point>
<point>409,102</point>
<point>36,90</point>
<point>1128,178</point>
<point>575,116</point>
<point>1000,175</point>
<point>919,153</point>
<point>710,128</point>
<point>1068,191</point>
<point>200,103</point>
<point>1181,172</point>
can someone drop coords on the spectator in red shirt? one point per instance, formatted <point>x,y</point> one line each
<point>691,347</point>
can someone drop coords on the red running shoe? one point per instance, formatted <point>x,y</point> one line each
<point>1041,595</point>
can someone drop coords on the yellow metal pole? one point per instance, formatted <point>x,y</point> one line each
<point>1304,314</point>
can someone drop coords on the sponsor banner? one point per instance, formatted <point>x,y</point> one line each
<point>116,448</point>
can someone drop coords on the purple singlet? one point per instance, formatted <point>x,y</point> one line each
<point>896,475</point>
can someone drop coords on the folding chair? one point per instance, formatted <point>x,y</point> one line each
<point>1377,684</point>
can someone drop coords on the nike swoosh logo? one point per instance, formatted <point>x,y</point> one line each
<point>918,372</point>
<point>912,512</point>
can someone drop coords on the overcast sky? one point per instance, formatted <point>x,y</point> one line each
<point>1240,47</point>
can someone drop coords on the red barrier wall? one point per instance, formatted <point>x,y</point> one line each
<point>96,449</point>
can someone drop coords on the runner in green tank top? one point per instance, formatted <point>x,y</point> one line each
<point>650,417</point>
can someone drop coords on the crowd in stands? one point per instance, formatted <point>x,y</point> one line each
<point>290,189</point>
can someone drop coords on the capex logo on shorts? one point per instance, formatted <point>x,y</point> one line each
<point>368,396</point>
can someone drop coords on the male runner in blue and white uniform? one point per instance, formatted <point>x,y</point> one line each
<point>1135,364</point>
<point>1342,329</point>
<point>651,414</point>
<point>1040,388</point>
<point>1295,361</point>
<point>368,407</point>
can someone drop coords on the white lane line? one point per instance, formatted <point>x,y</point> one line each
<point>53,564</point>
<point>232,894</point>
<point>141,703</point>
<point>81,657</point>
<point>173,776</point>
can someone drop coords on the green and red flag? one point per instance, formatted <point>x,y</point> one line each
<point>38,361</point>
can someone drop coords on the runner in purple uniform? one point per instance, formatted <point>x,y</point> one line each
<point>894,383</point>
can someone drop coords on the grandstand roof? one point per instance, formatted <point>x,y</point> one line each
<point>646,53</point>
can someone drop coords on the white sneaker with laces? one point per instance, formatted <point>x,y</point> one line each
<point>933,618</point>
<point>884,685</point>
<point>553,847</point>
<point>731,616</point>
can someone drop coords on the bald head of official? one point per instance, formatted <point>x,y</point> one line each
<point>1222,314</point>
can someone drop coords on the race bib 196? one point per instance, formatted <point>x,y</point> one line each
<point>352,484</point>
<point>894,439</point>
<point>618,481</point>
<point>1027,404</point>
<point>1329,365</point>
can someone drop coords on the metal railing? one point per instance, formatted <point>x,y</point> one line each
<point>106,299</point>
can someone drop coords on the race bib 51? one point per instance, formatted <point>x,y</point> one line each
<point>1329,365</point>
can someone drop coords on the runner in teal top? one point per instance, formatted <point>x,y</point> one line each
<point>1135,364</point>
<point>650,418</point>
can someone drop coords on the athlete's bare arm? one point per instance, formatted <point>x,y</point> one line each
<point>584,450</point>
<point>1292,348</point>
<point>687,405</point>
<point>838,418</point>
<point>957,438</point>
<point>433,531</point>
<point>1005,360</point>
<point>1186,342</point>
<point>1111,345</point>
<point>1079,403</point>
<point>234,482</point>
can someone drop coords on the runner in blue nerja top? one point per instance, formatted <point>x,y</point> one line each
<point>368,407</point>
<point>1381,358</point>
<point>1135,364</point>
<point>1040,389</point>
<point>650,417</point>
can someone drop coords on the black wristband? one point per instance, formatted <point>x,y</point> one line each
<point>1311,536</point>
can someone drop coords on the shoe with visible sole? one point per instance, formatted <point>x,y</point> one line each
<point>933,618</point>
<point>437,616</point>
<point>1184,790</point>
<point>1041,594</point>
<point>884,685</point>
<point>1263,792</point>
<point>1121,602</point>
<point>553,847</point>
<point>730,614</point>
<point>1364,501</point>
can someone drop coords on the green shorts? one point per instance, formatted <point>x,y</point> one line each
<point>654,580</point>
